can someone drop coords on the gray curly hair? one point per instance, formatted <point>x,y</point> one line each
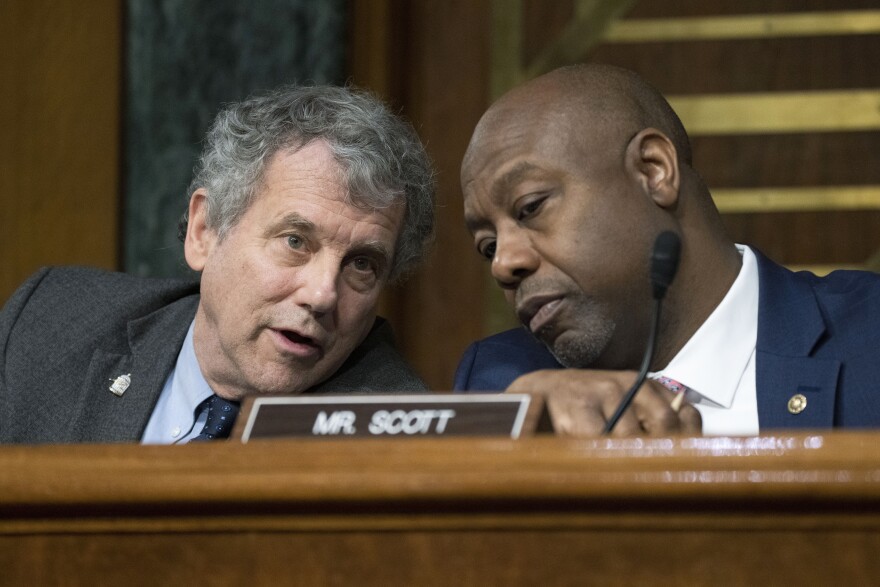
<point>380,154</point>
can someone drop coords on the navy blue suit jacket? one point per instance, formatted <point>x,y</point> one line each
<point>817,336</point>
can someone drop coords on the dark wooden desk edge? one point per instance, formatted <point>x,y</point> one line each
<point>819,466</point>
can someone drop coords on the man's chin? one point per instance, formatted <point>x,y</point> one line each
<point>577,351</point>
<point>268,385</point>
<point>288,376</point>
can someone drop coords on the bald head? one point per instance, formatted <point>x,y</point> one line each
<point>601,101</point>
<point>567,182</point>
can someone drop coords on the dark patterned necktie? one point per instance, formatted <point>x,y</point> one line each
<point>221,417</point>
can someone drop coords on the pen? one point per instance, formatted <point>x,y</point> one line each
<point>677,401</point>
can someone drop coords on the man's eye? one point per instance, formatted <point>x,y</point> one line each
<point>487,250</point>
<point>295,242</point>
<point>530,208</point>
<point>363,273</point>
<point>364,264</point>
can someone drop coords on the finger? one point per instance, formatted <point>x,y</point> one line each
<point>632,420</point>
<point>539,382</point>
<point>575,416</point>
<point>610,392</point>
<point>653,405</point>
<point>627,425</point>
<point>691,420</point>
<point>679,417</point>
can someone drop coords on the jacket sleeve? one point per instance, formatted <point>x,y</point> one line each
<point>493,363</point>
<point>9,316</point>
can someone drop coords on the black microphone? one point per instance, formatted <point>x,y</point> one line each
<point>664,264</point>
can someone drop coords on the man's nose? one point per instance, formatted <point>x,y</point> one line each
<point>515,259</point>
<point>319,283</point>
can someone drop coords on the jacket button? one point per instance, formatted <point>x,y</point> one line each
<point>797,403</point>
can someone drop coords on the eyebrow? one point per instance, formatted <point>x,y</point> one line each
<point>472,224</point>
<point>504,184</point>
<point>517,174</point>
<point>295,220</point>
<point>374,248</point>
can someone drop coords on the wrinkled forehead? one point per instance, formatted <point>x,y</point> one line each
<point>507,146</point>
<point>504,137</point>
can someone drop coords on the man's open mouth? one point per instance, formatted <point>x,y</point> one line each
<point>298,338</point>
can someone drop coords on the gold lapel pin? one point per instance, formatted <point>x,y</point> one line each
<point>120,384</point>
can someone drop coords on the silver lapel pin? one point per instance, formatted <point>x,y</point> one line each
<point>120,384</point>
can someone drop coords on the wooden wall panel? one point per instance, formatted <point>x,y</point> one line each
<point>59,148</point>
<point>542,22</point>
<point>749,65</point>
<point>828,239</point>
<point>833,158</point>
<point>804,189</point>
<point>441,51</point>
<point>686,8</point>
<point>844,237</point>
<point>847,238</point>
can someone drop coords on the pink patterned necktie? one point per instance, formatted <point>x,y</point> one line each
<point>671,384</point>
<point>676,387</point>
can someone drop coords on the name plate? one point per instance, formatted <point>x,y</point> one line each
<point>383,416</point>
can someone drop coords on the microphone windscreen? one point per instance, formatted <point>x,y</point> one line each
<point>664,262</point>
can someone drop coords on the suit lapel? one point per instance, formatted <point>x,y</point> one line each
<point>790,325</point>
<point>154,343</point>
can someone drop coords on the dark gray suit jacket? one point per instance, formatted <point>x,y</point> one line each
<point>68,332</point>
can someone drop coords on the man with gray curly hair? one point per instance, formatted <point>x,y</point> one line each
<point>306,202</point>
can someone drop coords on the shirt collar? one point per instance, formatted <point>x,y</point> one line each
<point>713,361</point>
<point>189,386</point>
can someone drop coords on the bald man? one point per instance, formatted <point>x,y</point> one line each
<point>567,181</point>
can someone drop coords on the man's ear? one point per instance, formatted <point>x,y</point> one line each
<point>200,239</point>
<point>652,160</point>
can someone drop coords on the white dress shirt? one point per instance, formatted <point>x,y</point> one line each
<point>717,364</point>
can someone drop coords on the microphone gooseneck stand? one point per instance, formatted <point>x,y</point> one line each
<point>664,264</point>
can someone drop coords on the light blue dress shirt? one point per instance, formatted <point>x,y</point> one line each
<point>174,419</point>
